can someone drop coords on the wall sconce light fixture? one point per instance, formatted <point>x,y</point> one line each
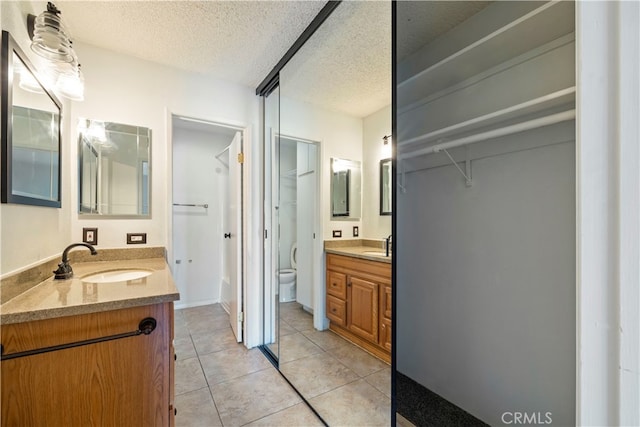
<point>386,148</point>
<point>50,40</point>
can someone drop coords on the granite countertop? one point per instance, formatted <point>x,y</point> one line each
<point>57,298</point>
<point>363,249</point>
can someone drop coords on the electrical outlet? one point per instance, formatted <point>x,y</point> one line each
<point>356,231</point>
<point>337,233</point>
<point>90,236</point>
<point>136,238</point>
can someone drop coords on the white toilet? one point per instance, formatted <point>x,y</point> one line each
<point>287,279</point>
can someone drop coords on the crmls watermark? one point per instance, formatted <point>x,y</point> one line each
<point>529,418</point>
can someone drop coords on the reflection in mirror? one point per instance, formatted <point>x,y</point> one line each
<point>30,133</point>
<point>114,169</point>
<point>346,189</point>
<point>331,91</point>
<point>385,187</point>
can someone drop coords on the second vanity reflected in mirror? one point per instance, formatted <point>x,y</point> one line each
<point>346,190</point>
<point>114,169</point>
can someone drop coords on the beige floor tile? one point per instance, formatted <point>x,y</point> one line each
<point>294,416</point>
<point>403,422</point>
<point>189,375</point>
<point>203,309</point>
<point>181,331</point>
<point>296,346</point>
<point>285,328</point>
<point>354,404</point>
<point>381,380</point>
<point>196,409</point>
<point>210,342</point>
<point>358,360</point>
<point>184,348</point>
<point>228,364</point>
<point>317,374</point>
<point>206,324</point>
<point>326,340</point>
<point>252,397</point>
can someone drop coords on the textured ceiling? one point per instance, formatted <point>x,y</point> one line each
<point>238,41</point>
<point>345,66</point>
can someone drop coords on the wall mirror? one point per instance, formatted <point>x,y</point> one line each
<point>30,132</point>
<point>346,189</point>
<point>114,165</point>
<point>385,187</point>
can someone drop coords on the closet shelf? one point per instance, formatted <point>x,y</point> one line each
<point>527,108</point>
<point>542,25</point>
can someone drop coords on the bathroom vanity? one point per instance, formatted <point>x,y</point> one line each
<point>77,352</point>
<point>358,293</point>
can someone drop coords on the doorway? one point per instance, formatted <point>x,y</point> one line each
<point>207,216</point>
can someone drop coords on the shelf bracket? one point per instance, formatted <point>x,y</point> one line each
<point>467,175</point>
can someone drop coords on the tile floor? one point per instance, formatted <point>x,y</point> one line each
<point>221,383</point>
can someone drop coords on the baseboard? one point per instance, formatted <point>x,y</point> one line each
<point>181,305</point>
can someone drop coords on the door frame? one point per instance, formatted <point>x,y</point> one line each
<point>246,198</point>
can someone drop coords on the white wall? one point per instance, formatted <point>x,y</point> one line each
<point>198,243</point>
<point>30,234</point>
<point>339,135</point>
<point>128,90</point>
<point>375,126</point>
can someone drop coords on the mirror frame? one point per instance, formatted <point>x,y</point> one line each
<point>382,195</point>
<point>9,48</point>
<point>83,214</point>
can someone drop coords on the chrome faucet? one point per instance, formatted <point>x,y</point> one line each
<point>387,244</point>
<point>64,270</point>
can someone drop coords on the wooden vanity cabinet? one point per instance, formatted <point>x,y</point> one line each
<point>122,382</point>
<point>359,302</point>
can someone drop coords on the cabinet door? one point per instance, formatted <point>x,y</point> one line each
<point>385,301</point>
<point>124,382</point>
<point>362,306</point>
<point>385,333</point>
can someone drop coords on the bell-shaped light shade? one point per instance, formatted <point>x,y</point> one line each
<point>71,85</point>
<point>50,37</point>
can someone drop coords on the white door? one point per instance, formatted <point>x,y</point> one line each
<point>233,236</point>
<point>306,207</point>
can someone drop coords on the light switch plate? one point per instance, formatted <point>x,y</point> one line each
<point>90,235</point>
<point>337,233</point>
<point>136,238</point>
<point>356,231</point>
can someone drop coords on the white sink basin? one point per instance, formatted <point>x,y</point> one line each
<point>379,253</point>
<point>116,276</point>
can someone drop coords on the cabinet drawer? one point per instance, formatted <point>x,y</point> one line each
<point>336,310</point>
<point>337,284</point>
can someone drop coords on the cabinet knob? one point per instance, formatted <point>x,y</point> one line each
<point>334,310</point>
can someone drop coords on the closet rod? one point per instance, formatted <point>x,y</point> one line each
<point>503,131</point>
